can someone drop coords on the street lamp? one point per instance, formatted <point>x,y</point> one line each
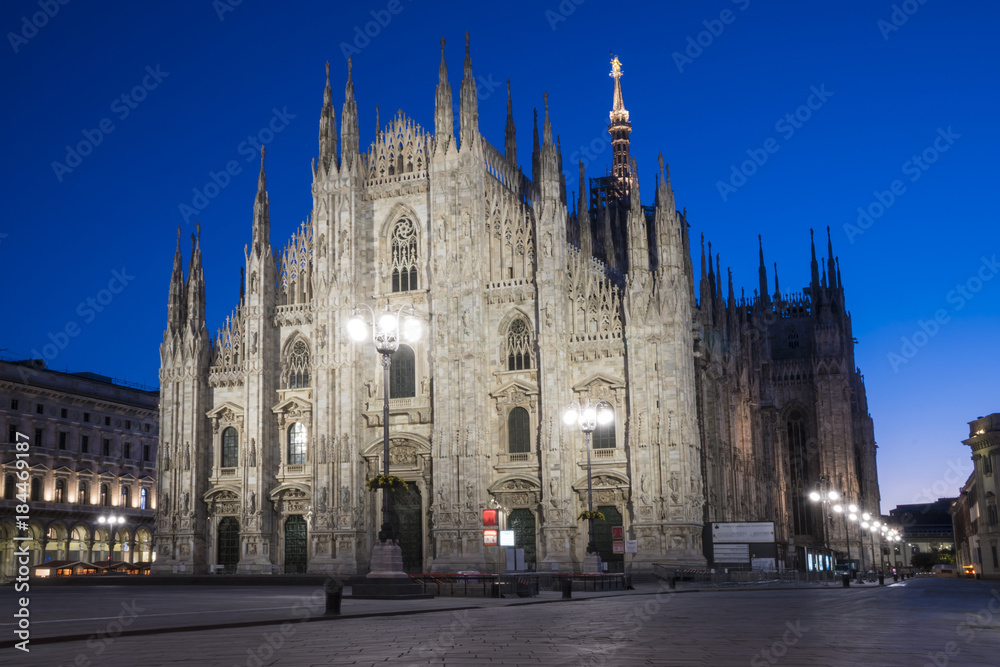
<point>587,418</point>
<point>848,511</point>
<point>385,332</point>
<point>825,496</point>
<point>111,520</point>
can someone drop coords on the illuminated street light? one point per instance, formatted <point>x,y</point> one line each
<point>587,418</point>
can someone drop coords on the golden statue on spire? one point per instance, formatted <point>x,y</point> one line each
<point>616,66</point>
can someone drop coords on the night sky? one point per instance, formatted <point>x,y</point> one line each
<point>876,119</point>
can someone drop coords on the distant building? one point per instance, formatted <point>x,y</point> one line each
<point>91,452</point>
<point>926,528</point>
<point>975,516</point>
<point>965,519</point>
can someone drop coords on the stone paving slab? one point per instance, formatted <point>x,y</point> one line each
<point>937,622</point>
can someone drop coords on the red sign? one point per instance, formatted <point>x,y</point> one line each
<point>490,518</point>
<point>618,547</point>
<point>491,537</point>
<point>618,532</point>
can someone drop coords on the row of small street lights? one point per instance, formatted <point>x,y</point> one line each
<point>852,514</point>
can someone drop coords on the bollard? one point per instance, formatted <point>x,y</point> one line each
<point>846,578</point>
<point>881,579</point>
<point>567,588</point>
<point>672,581</point>
<point>334,594</point>
<point>895,576</point>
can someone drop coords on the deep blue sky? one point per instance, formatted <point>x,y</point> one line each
<point>894,92</point>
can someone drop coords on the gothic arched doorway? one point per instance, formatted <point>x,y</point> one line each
<point>409,527</point>
<point>522,522</point>
<point>604,539</point>
<point>296,555</point>
<point>229,544</point>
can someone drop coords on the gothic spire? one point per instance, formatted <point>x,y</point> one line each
<point>469,109</point>
<point>261,211</point>
<point>609,241</point>
<point>814,267</point>
<point>547,126</point>
<point>586,238</point>
<point>349,134</point>
<point>195,289</point>
<point>176,303</point>
<point>762,272</point>
<point>444,118</point>
<point>832,279</point>
<point>638,235</point>
<point>509,135</point>
<point>840,285</point>
<point>534,150</point>
<point>327,127</point>
<point>777,287</point>
<point>619,128</point>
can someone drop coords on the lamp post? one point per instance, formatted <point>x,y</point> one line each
<point>385,332</point>
<point>111,520</point>
<point>587,418</point>
<point>825,495</point>
<point>849,512</point>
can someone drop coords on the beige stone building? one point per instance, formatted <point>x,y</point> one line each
<point>91,451</point>
<point>976,522</point>
<point>726,408</point>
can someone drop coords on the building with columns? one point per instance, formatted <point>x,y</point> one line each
<point>974,515</point>
<point>726,408</point>
<point>90,452</point>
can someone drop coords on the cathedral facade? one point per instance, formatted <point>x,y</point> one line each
<point>726,408</point>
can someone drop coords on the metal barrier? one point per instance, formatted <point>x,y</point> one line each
<point>515,584</point>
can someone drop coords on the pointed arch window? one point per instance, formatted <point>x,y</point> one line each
<point>604,435</point>
<point>105,495</point>
<point>60,491</point>
<point>143,498</point>
<point>296,444</point>
<point>126,497</point>
<point>518,345</point>
<point>230,448</point>
<point>518,431</point>
<point>801,474</point>
<point>295,374</point>
<point>793,337</point>
<point>402,374</point>
<point>83,493</point>
<point>404,256</point>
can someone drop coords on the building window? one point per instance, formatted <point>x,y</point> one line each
<point>62,439</point>
<point>518,431</point>
<point>40,409</point>
<point>107,421</point>
<point>105,447</point>
<point>8,487</point>
<point>295,374</point>
<point>12,434</point>
<point>996,563</point>
<point>402,374</point>
<point>105,495</point>
<point>230,448</point>
<point>83,494</point>
<point>604,436</point>
<point>793,337</point>
<point>36,488</point>
<point>146,426</point>
<point>518,346</point>
<point>86,416</point>
<point>127,450</point>
<point>85,444</point>
<point>38,437</point>
<point>145,453</point>
<point>60,491</point>
<point>296,444</point>
<point>987,465</point>
<point>991,514</point>
<point>126,497</point>
<point>63,413</point>
<point>143,496</point>
<point>404,256</point>
<point>128,423</point>
<point>13,404</point>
